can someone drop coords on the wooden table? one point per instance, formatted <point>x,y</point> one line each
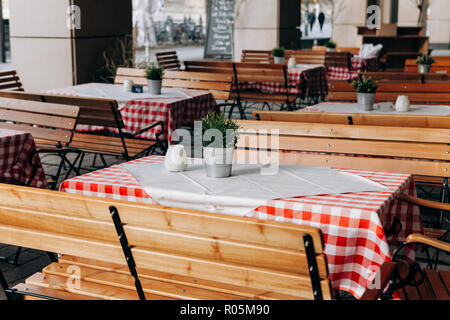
<point>352,224</point>
<point>138,114</point>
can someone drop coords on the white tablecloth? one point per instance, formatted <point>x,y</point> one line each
<point>116,92</point>
<point>246,189</point>
<point>429,110</point>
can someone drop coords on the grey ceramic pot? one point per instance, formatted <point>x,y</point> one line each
<point>424,68</point>
<point>366,101</point>
<point>154,87</point>
<point>218,161</point>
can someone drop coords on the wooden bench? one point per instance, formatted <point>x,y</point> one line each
<point>137,75</point>
<point>257,56</point>
<point>263,73</point>
<point>406,77</point>
<point>307,56</point>
<point>339,59</point>
<point>104,113</point>
<point>52,126</point>
<point>178,254</point>
<point>219,85</point>
<point>9,80</point>
<point>418,93</point>
<point>168,60</point>
<point>442,65</point>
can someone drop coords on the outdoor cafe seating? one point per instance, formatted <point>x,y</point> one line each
<point>273,173</point>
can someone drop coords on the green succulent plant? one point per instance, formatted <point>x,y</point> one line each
<point>425,59</point>
<point>278,52</point>
<point>365,85</point>
<point>154,72</point>
<point>330,44</point>
<point>227,127</point>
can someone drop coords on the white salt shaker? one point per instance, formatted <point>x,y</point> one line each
<point>292,63</point>
<point>402,104</point>
<point>127,84</point>
<point>176,159</point>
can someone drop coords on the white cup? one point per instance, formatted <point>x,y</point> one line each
<point>292,63</point>
<point>127,84</point>
<point>402,104</point>
<point>176,159</point>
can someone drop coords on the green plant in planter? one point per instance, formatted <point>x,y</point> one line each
<point>278,52</point>
<point>330,44</point>
<point>154,73</point>
<point>365,85</point>
<point>425,59</point>
<point>227,127</point>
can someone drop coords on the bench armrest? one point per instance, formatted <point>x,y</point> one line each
<point>416,238</point>
<point>424,203</point>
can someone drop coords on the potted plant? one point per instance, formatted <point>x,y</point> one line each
<point>278,55</point>
<point>330,45</point>
<point>154,77</point>
<point>424,63</point>
<point>366,89</point>
<point>219,136</point>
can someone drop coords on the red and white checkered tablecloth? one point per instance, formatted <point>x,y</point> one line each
<point>303,82</point>
<point>352,224</point>
<point>359,64</point>
<point>16,149</point>
<point>139,114</point>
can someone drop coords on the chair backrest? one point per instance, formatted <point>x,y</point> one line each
<point>338,59</point>
<point>9,80</point>
<point>168,60</point>
<point>137,75</point>
<point>257,56</point>
<point>406,77</point>
<point>93,111</point>
<point>368,119</point>
<point>209,66</point>
<point>352,50</point>
<point>307,56</point>
<point>319,48</point>
<point>53,122</point>
<point>367,147</point>
<point>441,65</point>
<point>269,257</point>
<point>219,85</point>
<point>419,93</point>
<point>261,72</point>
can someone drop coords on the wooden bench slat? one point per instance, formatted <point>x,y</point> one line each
<point>49,292</point>
<point>400,120</point>
<point>439,289</point>
<point>415,167</point>
<point>433,135</point>
<point>94,290</point>
<point>37,119</point>
<point>63,136</point>
<point>363,147</point>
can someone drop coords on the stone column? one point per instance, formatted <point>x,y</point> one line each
<point>49,54</point>
<point>439,24</point>
<point>265,24</point>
